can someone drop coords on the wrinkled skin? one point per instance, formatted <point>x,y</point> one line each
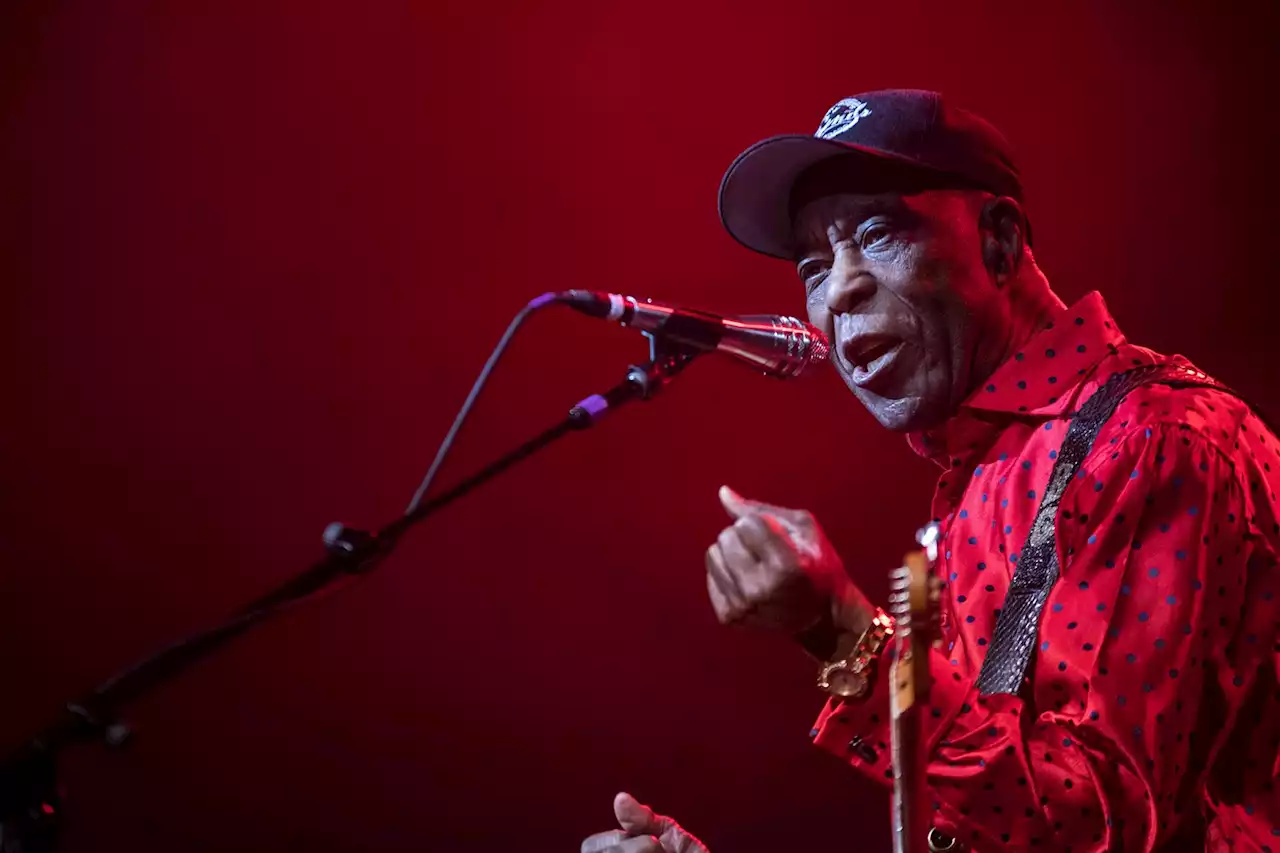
<point>929,272</point>
<point>774,568</point>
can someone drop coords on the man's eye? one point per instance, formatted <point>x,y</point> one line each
<point>874,236</point>
<point>813,272</point>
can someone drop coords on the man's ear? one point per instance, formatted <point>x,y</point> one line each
<point>1003,226</point>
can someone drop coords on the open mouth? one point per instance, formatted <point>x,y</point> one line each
<point>871,356</point>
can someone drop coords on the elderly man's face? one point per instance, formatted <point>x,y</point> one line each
<point>899,285</point>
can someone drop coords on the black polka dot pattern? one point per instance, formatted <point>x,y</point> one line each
<point>1166,606</point>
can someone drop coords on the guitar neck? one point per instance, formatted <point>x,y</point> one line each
<point>914,601</point>
<point>910,817</point>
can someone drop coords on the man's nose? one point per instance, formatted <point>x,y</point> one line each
<point>848,288</point>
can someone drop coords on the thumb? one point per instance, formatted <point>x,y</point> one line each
<point>636,818</point>
<point>736,505</point>
<point>787,520</point>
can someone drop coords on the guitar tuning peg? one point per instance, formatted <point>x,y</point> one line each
<point>928,536</point>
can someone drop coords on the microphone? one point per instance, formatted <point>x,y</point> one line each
<point>778,346</point>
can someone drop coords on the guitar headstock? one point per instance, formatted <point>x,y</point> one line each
<point>914,602</point>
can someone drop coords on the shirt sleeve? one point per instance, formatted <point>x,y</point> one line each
<point>859,730</point>
<point>1155,644</point>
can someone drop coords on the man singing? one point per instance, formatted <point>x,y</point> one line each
<point>1127,700</point>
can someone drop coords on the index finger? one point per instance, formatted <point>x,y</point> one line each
<point>763,531</point>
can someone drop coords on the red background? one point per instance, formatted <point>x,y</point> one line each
<point>254,255</point>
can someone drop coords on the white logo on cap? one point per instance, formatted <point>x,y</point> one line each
<point>841,117</point>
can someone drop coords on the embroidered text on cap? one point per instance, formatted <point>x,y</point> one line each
<point>841,117</point>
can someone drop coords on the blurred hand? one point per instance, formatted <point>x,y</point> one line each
<point>774,568</point>
<point>642,832</point>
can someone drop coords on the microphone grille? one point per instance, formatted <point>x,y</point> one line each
<point>807,345</point>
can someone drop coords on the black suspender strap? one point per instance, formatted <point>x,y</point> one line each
<point>1018,625</point>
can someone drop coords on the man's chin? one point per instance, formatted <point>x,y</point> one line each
<point>906,413</point>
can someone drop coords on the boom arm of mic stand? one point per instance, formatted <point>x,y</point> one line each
<point>641,382</point>
<point>30,805</point>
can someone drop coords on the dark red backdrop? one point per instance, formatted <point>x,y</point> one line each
<point>255,253</point>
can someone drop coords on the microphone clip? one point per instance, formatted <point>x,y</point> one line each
<point>358,551</point>
<point>666,359</point>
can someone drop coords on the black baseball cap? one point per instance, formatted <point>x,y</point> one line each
<point>893,139</point>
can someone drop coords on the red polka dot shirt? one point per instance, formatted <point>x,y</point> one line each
<point>1153,716</point>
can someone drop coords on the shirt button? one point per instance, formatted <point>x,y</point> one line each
<point>939,841</point>
<point>862,749</point>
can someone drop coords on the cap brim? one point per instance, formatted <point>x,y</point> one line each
<point>755,194</point>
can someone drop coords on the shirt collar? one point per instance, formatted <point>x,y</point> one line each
<point>1039,381</point>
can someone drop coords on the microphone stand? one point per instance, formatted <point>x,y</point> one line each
<point>30,803</point>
